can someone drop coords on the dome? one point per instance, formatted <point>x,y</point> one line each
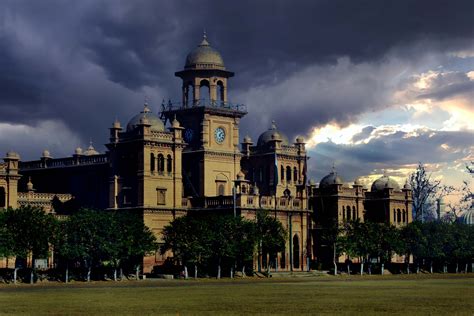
<point>204,56</point>
<point>247,140</point>
<point>78,151</point>
<point>46,154</point>
<point>116,124</point>
<point>300,139</point>
<point>385,182</point>
<point>329,180</point>
<point>270,135</point>
<point>357,182</point>
<point>91,151</point>
<point>468,217</point>
<point>13,155</point>
<point>146,116</point>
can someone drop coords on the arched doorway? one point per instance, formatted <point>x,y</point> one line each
<point>204,90</point>
<point>296,252</point>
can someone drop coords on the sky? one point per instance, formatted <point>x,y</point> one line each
<point>374,86</point>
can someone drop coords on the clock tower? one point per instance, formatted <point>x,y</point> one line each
<point>211,159</point>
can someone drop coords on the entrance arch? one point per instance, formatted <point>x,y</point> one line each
<point>296,252</point>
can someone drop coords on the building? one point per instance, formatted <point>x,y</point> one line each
<point>189,157</point>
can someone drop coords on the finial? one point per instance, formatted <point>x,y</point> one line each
<point>333,169</point>
<point>204,39</point>
<point>273,125</point>
<point>146,99</point>
<point>384,172</point>
<point>29,185</point>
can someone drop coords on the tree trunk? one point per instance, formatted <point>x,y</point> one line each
<point>243,271</point>
<point>219,270</point>
<point>67,273</point>
<point>185,272</point>
<point>231,273</point>
<point>121,274</point>
<point>32,277</point>
<point>431,267</point>
<point>445,268</point>
<point>137,272</point>
<point>115,274</point>
<point>457,267</point>
<point>383,268</point>
<point>89,274</point>
<point>14,275</point>
<point>195,271</point>
<point>335,267</point>
<point>369,268</point>
<point>465,268</point>
<point>408,267</point>
<point>361,268</point>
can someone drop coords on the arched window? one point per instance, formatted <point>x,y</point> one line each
<point>3,199</point>
<point>295,174</point>
<point>204,92</point>
<point>343,213</point>
<point>394,216</point>
<point>288,173</point>
<point>399,216</point>
<point>186,92</point>
<point>404,213</point>
<point>221,189</point>
<point>169,164</point>
<point>348,210</point>
<point>296,252</point>
<point>161,163</point>
<point>152,162</point>
<point>354,213</point>
<point>282,171</point>
<point>220,91</point>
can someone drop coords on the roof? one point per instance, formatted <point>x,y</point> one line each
<point>204,56</point>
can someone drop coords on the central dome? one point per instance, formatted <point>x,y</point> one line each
<point>204,56</point>
<point>329,180</point>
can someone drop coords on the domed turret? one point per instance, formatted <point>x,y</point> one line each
<point>46,154</point>
<point>91,151</point>
<point>156,124</point>
<point>12,155</point>
<point>78,151</point>
<point>204,56</point>
<point>270,135</point>
<point>385,182</point>
<point>468,217</point>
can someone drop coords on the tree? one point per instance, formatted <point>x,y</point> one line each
<point>6,241</point>
<point>425,190</point>
<point>271,235</point>
<point>412,239</point>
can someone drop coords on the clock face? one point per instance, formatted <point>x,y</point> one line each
<point>188,135</point>
<point>219,135</point>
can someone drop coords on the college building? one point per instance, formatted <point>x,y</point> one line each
<point>192,156</point>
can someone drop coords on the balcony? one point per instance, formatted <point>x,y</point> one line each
<point>174,106</point>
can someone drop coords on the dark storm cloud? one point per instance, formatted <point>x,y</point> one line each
<point>390,152</point>
<point>87,62</point>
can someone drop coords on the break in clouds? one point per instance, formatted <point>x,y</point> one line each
<point>68,69</point>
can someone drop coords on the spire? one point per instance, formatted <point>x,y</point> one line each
<point>273,126</point>
<point>333,168</point>
<point>204,39</point>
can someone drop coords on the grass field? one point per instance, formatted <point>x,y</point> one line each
<point>438,294</point>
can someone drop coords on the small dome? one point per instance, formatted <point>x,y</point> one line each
<point>175,123</point>
<point>13,155</point>
<point>78,151</point>
<point>91,151</point>
<point>46,154</point>
<point>468,217</point>
<point>270,135</point>
<point>385,182</point>
<point>247,140</point>
<point>240,175</point>
<point>329,180</point>
<point>300,139</point>
<point>312,183</point>
<point>116,124</point>
<point>142,118</point>
<point>357,182</point>
<point>204,56</point>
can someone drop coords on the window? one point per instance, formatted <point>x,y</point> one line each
<point>394,216</point>
<point>161,163</point>
<point>354,213</point>
<point>399,216</point>
<point>288,173</point>
<point>220,188</point>
<point>343,213</point>
<point>348,210</point>
<point>295,174</point>
<point>220,91</point>
<point>282,171</point>
<point>169,164</point>
<point>152,162</point>
<point>160,196</point>
<point>296,252</point>
<point>404,213</point>
<point>2,197</point>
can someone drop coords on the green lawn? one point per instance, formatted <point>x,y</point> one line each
<point>439,294</point>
